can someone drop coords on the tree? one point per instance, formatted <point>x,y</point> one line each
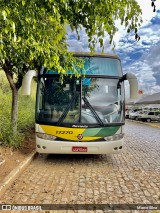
<point>99,16</point>
<point>29,37</point>
<point>33,33</point>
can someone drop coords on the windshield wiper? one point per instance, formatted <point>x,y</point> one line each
<point>66,110</point>
<point>93,111</point>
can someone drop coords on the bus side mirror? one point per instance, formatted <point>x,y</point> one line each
<point>133,82</point>
<point>26,83</point>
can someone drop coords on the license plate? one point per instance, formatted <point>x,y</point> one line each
<point>79,149</point>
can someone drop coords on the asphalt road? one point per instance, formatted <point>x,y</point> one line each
<point>131,177</point>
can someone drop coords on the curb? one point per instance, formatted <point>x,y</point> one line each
<point>13,175</point>
<point>152,125</point>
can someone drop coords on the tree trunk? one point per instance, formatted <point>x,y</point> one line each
<point>14,88</point>
<point>14,110</point>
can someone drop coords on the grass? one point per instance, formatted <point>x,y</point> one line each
<point>25,114</point>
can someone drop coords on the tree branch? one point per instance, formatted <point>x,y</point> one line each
<point>18,84</point>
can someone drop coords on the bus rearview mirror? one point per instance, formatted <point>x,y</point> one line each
<point>26,83</point>
<point>133,82</point>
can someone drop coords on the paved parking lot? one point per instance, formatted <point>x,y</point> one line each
<point>130,177</point>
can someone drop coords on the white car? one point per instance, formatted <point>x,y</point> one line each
<point>150,116</point>
<point>134,115</point>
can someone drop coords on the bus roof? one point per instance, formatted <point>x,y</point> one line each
<point>102,55</point>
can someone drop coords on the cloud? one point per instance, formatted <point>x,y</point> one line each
<point>143,57</point>
<point>81,45</point>
<point>153,59</point>
<point>75,45</point>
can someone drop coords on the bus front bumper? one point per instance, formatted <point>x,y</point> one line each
<point>70,147</point>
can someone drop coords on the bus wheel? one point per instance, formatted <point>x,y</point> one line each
<point>148,120</point>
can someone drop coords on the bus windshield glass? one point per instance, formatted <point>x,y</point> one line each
<point>83,101</point>
<point>98,66</point>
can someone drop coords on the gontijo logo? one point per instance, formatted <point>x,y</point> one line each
<point>80,137</point>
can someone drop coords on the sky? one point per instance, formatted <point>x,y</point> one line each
<point>141,58</point>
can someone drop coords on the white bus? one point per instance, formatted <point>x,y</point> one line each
<point>82,114</point>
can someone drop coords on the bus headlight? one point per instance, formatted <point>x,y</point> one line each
<point>45,136</point>
<point>114,137</point>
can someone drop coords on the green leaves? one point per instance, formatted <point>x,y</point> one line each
<point>29,33</point>
<point>101,42</point>
<point>15,37</point>
<point>33,32</point>
<point>128,30</point>
<point>23,2</point>
<point>153,5</point>
<point>13,27</point>
<point>4,13</point>
<point>99,17</point>
<point>137,37</point>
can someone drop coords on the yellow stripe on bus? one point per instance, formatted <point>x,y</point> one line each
<point>67,133</point>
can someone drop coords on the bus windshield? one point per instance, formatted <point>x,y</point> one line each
<point>79,101</point>
<point>98,66</point>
